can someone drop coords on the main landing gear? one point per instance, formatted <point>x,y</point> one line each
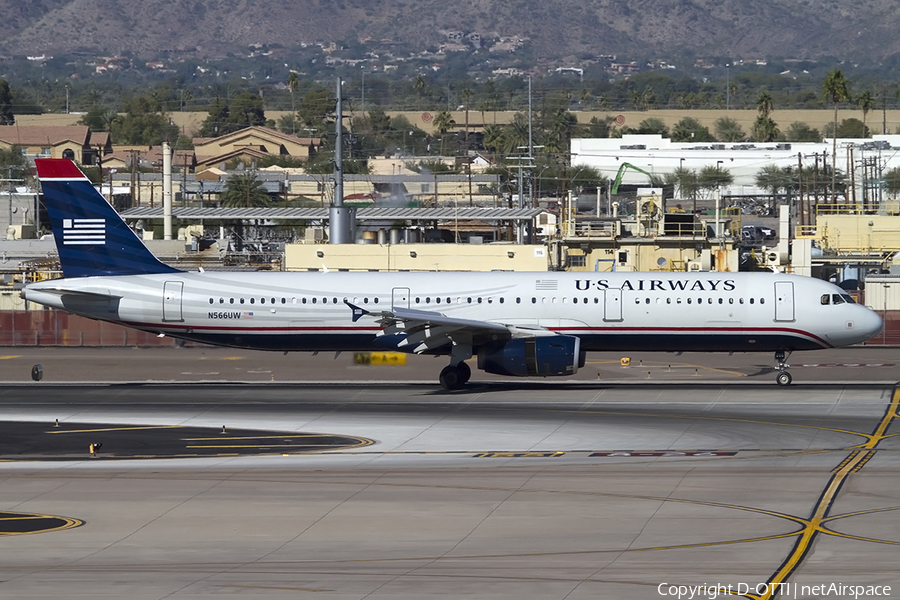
<point>455,375</point>
<point>783,377</point>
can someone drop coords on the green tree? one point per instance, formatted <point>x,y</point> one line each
<point>892,181</point>
<point>600,128</point>
<point>244,190</point>
<point>848,128</point>
<point>773,178</point>
<point>836,89</point>
<point>765,129</point>
<point>799,131</point>
<point>653,125</point>
<point>686,181</point>
<point>6,111</point>
<point>690,129</point>
<point>866,102</point>
<point>143,121</point>
<point>246,110</point>
<point>728,130</point>
<point>216,122</point>
<point>714,177</point>
<point>317,110</point>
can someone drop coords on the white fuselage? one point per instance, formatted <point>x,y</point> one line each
<point>287,311</point>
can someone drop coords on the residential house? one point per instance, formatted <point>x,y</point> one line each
<point>76,142</point>
<point>251,144</point>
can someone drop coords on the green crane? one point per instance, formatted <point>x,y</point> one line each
<point>615,186</point>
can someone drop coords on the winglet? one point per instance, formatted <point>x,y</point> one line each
<point>358,312</point>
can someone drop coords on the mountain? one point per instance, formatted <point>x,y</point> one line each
<point>554,28</point>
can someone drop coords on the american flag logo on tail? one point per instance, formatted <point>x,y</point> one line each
<point>84,232</point>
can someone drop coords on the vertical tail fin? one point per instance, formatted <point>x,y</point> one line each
<point>91,238</point>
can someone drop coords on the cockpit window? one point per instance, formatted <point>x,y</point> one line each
<point>837,298</point>
<point>848,298</point>
<point>826,299</point>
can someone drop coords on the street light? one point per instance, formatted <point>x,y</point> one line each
<point>727,86</point>
<point>718,194</point>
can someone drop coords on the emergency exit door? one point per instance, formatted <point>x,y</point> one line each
<point>612,304</point>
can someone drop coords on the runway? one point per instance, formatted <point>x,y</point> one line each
<point>545,490</point>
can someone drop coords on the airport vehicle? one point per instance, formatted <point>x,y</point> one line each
<point>515,323</point>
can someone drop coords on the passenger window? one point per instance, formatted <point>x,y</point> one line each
<point>826,299</point>
<point>762,300</point>
<point>721,301</point>
<point>302,300</point>
<point>273,301</point>
<point>417,300</point>
<point>751,300</point>
<point>596,300</point>
<point>313,300</point>
<point>646,300</point>
<point>677,300</point>
<point>731,301</point>
<point>375,300</point>
<point>518,301</point>
<point>221,300</point>
<point>479,300</point>
<point>334,300</point>
<point>740,300</point>
<point>469,300</point>
<point>231,301</point>
<point>688,300</point>
<point>211,301</point>
<point>637,300</point>
<point>427,300</point>
<point>252,300</point>
<point>836,299</point>
<point>262,300</point>
<point>575,300</point>
<point>501,300</point>
<point>533,300</point>
<point>242,300</point>
<point>668,301</point>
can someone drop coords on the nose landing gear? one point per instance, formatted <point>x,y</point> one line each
<point>783,377</point>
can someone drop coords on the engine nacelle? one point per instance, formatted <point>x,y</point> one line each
<point>542,356</point>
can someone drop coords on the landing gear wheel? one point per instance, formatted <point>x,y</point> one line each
<point>465,373</point>
<point>452,378</point>
<point>784,378</point>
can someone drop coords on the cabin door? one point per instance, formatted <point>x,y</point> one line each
<point>400,298</point>
<point>784,301</point>
<point>172,301</point>
<point>612,304</point>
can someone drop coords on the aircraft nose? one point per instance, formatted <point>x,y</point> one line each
<point>870,324</point>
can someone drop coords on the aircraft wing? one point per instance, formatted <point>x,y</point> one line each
<point>424,330</point>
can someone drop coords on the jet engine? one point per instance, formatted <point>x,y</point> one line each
<point>542,356</point>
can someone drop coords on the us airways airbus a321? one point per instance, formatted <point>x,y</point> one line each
<point>514,323</point>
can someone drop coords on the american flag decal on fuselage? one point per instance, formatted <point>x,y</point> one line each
<point>84,232</point>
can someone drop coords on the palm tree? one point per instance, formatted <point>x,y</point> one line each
<point>836,89</point>
<point>764,104</point>
<point>467,94</point>
<point>728,130</point>
<point>866,102</point>
<point>493,137</point>
<point>419,86</point>
<point>244,190</point>
<point>292,83</point>
<point>443,122</point>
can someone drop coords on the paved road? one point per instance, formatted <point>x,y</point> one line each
<point>223,364</point>
<point>546,491</point>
